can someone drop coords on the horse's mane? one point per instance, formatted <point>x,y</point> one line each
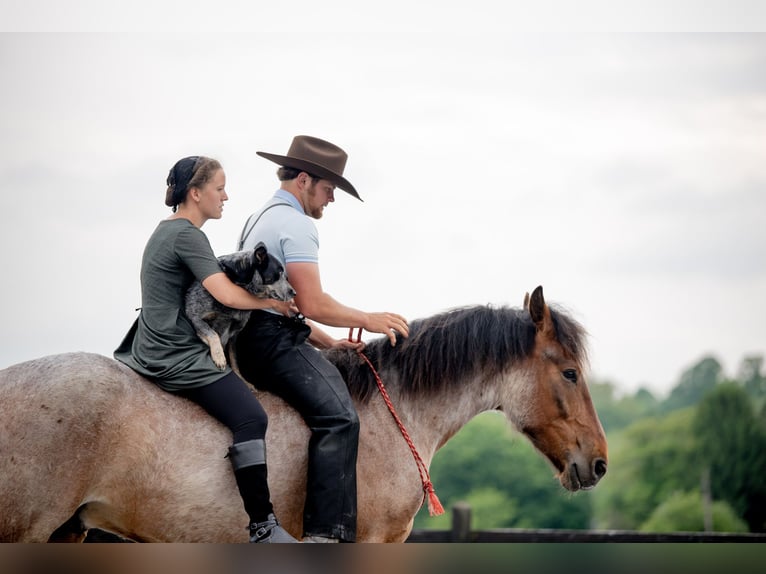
<point>448,347</point>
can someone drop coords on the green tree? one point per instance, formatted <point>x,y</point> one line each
<point>491,508</point>
<point>732,441</point>
<point>694,384</point>
<point>616,413</point>
<point>489,465</point>
<point>684,512</point>
<point>751,377</point>
<point>649,461</point>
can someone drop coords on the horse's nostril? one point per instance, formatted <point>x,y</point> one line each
<point>599,467</point>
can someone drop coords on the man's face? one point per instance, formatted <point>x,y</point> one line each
<point>318,195</point>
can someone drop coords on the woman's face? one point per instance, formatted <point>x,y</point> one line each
<point>212,195</point>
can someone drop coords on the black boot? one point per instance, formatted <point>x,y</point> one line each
<point>248,460</point>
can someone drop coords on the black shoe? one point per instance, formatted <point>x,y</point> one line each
<point>269,531</point>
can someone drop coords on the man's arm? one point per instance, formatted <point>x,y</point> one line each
<point>321,307</point>
<point>321,339</point>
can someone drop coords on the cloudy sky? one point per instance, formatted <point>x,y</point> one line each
<point>624,172</point>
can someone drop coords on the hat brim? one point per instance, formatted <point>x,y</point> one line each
<point>313,169</point>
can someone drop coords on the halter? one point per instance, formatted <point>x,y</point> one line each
<point>435,507</point>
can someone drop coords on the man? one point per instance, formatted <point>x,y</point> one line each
<point>281,354</point>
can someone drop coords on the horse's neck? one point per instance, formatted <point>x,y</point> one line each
<point>431,421</point>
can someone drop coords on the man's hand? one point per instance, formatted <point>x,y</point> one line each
<point>388,324</point>
<point>346,344</point>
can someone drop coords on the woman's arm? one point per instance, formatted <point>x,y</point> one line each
<point>234,296</point>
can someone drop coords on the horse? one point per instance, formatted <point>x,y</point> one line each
<point>87,443</point>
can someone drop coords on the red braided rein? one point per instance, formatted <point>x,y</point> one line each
<point>434,506</point>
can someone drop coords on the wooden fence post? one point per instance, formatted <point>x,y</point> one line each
<point>461,522</point>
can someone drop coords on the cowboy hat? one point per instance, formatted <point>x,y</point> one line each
<point>316,157</point>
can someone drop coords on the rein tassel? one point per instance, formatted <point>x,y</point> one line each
<point>435,507</point>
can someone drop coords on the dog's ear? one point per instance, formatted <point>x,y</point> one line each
<point>239,267</point>
<point>260,257</point>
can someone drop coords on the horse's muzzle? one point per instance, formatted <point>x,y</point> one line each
<point>583,475</point>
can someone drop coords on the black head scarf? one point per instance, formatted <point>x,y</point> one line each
<point>178,180</point>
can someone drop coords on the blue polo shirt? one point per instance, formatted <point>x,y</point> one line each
<point>288,233</point>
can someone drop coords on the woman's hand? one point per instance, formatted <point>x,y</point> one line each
<point>286,308</point>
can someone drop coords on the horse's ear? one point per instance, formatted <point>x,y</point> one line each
<point>526,301</point>
<point>539,311</point>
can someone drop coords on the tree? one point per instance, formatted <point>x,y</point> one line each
<point>751,377</point>
<point>616,413</point>
<point>649,461</point>
<point>694,384</point>
<point>683,512</point>
<point>492,467</point>
<point>732,442</point>
<point>491,508</point>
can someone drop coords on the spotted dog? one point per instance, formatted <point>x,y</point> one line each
<point>258,272</point>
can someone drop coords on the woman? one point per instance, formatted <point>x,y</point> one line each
<point>163,346</point>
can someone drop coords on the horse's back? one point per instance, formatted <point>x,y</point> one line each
<point>46,442</point>
<point>85,442</point>
<point>61,397</point>
<point>83,437</point>
<point>72,425</point>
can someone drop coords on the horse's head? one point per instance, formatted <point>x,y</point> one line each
<point>556,411</point>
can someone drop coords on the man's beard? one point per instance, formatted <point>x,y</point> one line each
<point>316,212</point>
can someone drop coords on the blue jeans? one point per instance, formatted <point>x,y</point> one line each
<point>274,355</point>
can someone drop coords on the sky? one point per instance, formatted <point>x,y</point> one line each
<point>621,165</point>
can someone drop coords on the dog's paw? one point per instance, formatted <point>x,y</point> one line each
<point>218,358</point>
<point>216,352</point>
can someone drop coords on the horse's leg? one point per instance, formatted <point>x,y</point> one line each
<point>96,535</point>
<point>71,531</point>
<point>93,515</point>
<point>106,517</point>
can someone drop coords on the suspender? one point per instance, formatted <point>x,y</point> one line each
<point>246,231</point>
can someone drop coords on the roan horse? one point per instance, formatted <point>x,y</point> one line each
<point>87,443</point>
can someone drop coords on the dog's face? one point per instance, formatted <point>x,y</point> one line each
<point>259,272</point>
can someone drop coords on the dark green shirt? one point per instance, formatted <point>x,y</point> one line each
<point>162,343</point>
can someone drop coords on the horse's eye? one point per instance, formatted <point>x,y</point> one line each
<point>570,375</point>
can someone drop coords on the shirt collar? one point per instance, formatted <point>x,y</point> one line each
<point>284,195</point>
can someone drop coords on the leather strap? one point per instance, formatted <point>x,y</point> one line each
<point>246,231</point>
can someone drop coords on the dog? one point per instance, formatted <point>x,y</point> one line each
<point>258,272</point>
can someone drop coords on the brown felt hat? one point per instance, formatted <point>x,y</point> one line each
<point>317,157</point>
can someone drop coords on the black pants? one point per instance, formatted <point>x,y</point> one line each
<point>273,354</point>
<point>230,400</point>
